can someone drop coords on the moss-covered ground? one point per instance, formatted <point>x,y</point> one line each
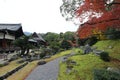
<point>83,70</point>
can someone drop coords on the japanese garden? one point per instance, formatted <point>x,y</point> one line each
<point>92,52</point>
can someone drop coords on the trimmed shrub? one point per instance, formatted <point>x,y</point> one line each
<point>103,74</point>
<point>105,56</point>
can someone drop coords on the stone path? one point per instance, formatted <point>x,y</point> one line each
<point>48,71</point>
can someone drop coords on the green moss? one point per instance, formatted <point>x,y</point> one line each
<point>114,50</point>
<point>87,63</point>
<point>83,69</point>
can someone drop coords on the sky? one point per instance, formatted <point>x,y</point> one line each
<point>39,16</point>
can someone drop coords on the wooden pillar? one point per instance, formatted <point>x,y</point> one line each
<point>4,43</point>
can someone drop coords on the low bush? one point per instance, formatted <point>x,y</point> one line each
<point>42,55</point>
<point>105,56</point>
<point>103,74</point>
<point>47,57</point>
<point>1,65</point>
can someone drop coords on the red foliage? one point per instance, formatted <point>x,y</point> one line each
<point>85,31</point>
<point>94,5</point>
<point>108,19</point>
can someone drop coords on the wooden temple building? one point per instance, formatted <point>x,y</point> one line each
<point>8,33</point>
<point>37,39</point>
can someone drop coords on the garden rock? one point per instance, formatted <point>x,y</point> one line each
<point>41,62</point>
<point>97,52</point>
<point>3,63</point>
<point>116,70</point>
<point>68,70</point>
<point>87,49</point>
<point>47,57</point>
<point>73,62</point>
<point>65,58</point>
<point>94,48</point>
<point>72,53</point>
<point>110,47</point>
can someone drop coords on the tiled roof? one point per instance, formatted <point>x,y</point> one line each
<point>12,27</point>
<point>37,37</point>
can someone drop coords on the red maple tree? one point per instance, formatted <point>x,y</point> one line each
<point>110,16</point>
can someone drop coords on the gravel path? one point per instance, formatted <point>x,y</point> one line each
<point>48,71</point>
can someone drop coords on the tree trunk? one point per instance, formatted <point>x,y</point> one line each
<point>23,52</point>
<point>27,51</point>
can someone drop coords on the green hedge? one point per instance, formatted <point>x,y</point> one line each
<point>103,74</point>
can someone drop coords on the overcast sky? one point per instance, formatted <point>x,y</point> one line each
<point>39,16</point>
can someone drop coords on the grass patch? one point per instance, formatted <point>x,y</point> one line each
<point>58,55</point>
<point>114,51</point>
<point>12,65</point>
<point>21,74</point>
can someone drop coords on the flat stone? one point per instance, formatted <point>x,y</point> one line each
<point>110,47</point>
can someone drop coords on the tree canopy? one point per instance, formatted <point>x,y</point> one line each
<point>24,44</point>
<point>61,41</point>
<point>92,15</point>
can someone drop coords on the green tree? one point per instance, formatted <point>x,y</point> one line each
<point>53,41</point>
<point>50,37</point>
<point>69,36</point>
<point>59,41</point>
<point>61,36</point>
<point>24,44</point>
<point>112,33</point>
<point>65,44</point>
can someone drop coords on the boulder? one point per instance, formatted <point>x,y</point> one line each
<point>110,47</point>
<point>41,62</point>
<point>116,70</point>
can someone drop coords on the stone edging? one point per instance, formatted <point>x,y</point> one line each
<point>4,76</point>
